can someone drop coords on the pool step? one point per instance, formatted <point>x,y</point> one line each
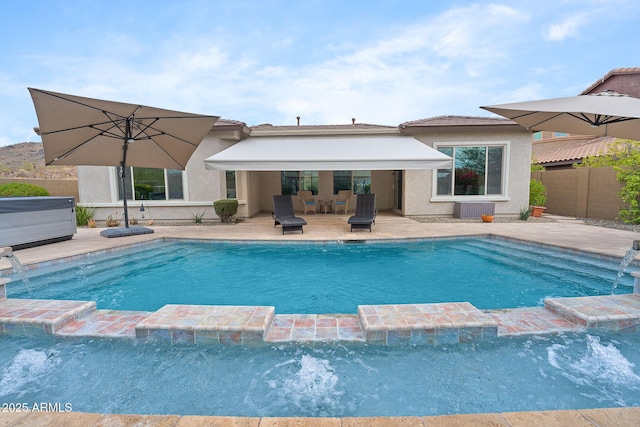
<point>446,323</point>
<point>26,316</point>
<point>207,324</point>
<point>617,313</point>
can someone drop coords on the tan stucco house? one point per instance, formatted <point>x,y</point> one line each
<point>490,163</point>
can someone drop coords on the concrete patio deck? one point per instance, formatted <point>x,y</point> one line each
<point>564,233</point>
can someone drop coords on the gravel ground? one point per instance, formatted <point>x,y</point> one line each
<point>608,223</point>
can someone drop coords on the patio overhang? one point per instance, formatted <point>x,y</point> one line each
<point>329,153</point>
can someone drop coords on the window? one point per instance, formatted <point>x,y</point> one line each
<point>294,181</point>
<point>231,184</point>
<point>477,171</point>
<point>357,181</point>
<point>152,184</point>
<point>560,134</point>
<point>537,136</point>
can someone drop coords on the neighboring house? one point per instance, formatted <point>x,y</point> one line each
<point>491,158</point>
<point>558,150</point>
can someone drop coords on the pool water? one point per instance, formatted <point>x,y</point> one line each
<point>516,374</point>
<point>325,277</point>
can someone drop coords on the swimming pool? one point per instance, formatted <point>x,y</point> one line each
<point>517,374</point>
<point>325,277</point>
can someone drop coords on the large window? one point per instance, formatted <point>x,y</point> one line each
<point>357,181</point>
<point>477,171</point>
<point>294,181</point>
<point>152,184</point>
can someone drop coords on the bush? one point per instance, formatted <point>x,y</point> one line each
<point>537,193</point>
<point>84,214</point>
<point>17,189</point>
<point>524,213</point>
<point>226,209</point>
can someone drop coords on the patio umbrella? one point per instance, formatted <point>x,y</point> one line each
<point>606,113</point>
<point>87,131</point>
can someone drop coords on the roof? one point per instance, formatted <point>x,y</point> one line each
<point>572,153</point>
<point>621,80</point>
<point>267,127</point>
<point>227,122</point>
<point>458,121</point>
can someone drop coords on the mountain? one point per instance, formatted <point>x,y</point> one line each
<point>26,160</point>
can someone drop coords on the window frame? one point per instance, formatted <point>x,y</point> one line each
<point>351,180</point>
<point>314,176</point>
<point>503,196</point>
<point>228,173</point>
<point>117,179</point>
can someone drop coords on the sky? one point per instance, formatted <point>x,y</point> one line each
<point>268,61</point>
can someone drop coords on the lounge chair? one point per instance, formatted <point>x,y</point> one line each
<point>342,202</point>
<point>365,212</point>
<point>308,202</point>
<point>284,215</point>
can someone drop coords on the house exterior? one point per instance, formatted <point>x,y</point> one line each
<point>491,163</point>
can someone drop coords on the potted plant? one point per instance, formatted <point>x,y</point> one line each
<point>537,197</point>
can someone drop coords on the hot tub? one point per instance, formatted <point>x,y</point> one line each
<point>33,221</point>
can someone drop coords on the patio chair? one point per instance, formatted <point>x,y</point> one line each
<point>342,202</point>
<point>285,216</point>
<point>308,202</point>
<point>365,212</point>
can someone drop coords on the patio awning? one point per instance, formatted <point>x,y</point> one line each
<point>329,153</point>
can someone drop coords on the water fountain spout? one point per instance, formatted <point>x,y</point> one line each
<point>628,258</point>
<point>7,252</point>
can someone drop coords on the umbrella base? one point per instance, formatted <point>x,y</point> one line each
<point>125,231</point>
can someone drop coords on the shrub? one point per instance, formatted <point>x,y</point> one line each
<point>17,189</point>
<point>226,209</point>
<point>84,214</point>
<point>112,222</point>
<point>198,217</point>
<point>537,193</point>
<point>524,213</point>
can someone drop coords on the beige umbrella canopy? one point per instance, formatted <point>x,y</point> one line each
<point>603,114</point>
<point>87,131</point>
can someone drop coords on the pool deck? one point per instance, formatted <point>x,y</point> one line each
<point>386,325</point>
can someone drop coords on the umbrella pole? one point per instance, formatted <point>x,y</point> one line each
<point>127,138</point>
<point>124,190</point>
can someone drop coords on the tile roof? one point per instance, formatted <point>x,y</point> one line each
<point>458,121</point>
<point>267,127</point>
<point>572,153</point>
<point>227,122</point>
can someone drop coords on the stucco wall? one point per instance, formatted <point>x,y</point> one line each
<point>418,189</point>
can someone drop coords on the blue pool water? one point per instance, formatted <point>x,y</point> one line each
<point>325,278</point>
<point>517,374</point>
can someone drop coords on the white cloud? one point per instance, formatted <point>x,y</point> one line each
<point>567,28</point>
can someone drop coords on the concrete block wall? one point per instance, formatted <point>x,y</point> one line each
<point>55,187</point>
<point>582,193</point>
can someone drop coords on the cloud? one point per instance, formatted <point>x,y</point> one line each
<point>568,28</point>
